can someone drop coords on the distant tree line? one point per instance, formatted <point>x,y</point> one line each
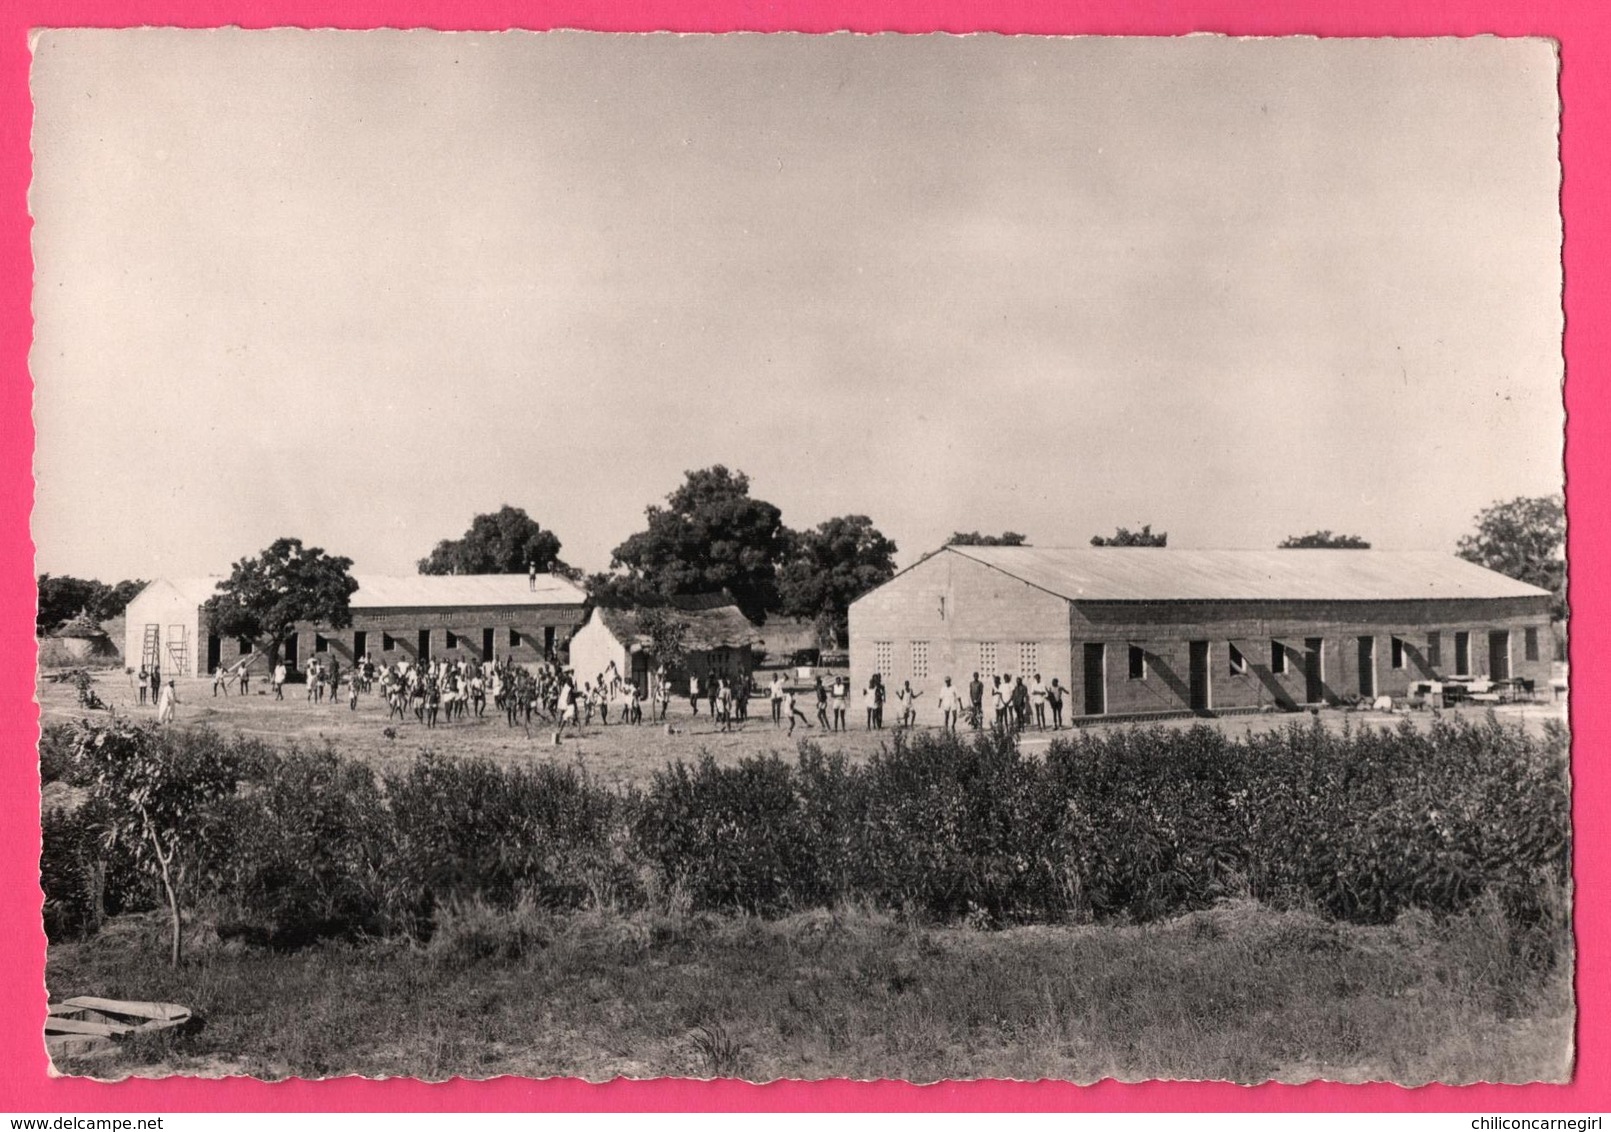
<point>713,536</point>
<point>62,597</point>
<point>1126,537</point>
<point>1323,540</point>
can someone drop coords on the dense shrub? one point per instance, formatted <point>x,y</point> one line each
<point>311,851</point>
<point>956,828</point>
<point>71,874</point>
<point>734,837</point>
<point>1138,823</point>
<point>466,827</point>
<point>57,761</point>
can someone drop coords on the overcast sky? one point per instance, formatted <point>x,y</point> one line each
<point>357,287</point>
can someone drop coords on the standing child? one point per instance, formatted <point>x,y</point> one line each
<point>950,707</point>
<point>724,706</point>
<point>167,702</point>
<point>775,696</point>
<point>793,709</point>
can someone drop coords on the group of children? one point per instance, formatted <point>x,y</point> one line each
<point>448,690</point>
<point>164,697</point>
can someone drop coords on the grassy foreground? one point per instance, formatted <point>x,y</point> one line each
<point>1241,992</point>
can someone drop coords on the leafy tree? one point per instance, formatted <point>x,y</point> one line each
<point>506,541</point>
<point>264,597</point>
<point>62,597</point>
<point>668,634</point>
<point>117,598</point>
<point>711,536</point>
<point>831,566</point>
<point>1323,540</point>
<point>163,796</point>
<point>1523,538</point>
<point>974,538</point>
<point>1126,537</point>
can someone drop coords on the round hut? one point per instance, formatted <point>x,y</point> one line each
<point>81,640</point>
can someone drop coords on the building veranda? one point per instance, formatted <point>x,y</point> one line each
<point>1137,632</point>
<point>413,618</point>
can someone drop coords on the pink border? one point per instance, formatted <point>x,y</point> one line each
<point>1583,28</point>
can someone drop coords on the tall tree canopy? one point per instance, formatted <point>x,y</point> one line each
<point>974,538</point>
<point>1323,540</point>
<point>1523,538</point>
<point>505,541</point>
<point>832,565</point>
<point>1126,537</point>
<point>264,597</point>
<point>711,536</point>
<point>62,596</point>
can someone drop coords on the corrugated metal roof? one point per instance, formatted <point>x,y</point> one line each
<point>412,591</point>
<point>1161,574</point>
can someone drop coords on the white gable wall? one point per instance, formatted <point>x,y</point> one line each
<point>949,605</point>
<point>177,617</point>
<point>593,648</point>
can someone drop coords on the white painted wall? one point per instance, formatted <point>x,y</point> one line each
<point>593,648</point>
<point>176,615</point>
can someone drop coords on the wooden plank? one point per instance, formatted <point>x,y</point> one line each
<point>79,1026</point>
<point>155,1011</point>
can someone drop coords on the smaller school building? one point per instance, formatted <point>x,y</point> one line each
<point>720,642</point>
<point>1139,631</point>
<point>413,617</point>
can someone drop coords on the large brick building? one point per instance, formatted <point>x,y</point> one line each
<point>473,616</point>
<point>1136,631</point>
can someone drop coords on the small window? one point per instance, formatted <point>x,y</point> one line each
<point>450,639</point>
<point>1238,662</point>
<point>386,642</point>
<point>1398,653</point>
<point>1530,643</point>
<point>514,638</point>
<point>884,658</point>
<point>1138,663</point>
<point>244,646</point>
<point>1434,650</point>
<point>1278,658</point>
<point>1462,653</point>
<point>1028,657</point>
<point>987,658</point>
<point>920,660</point>
<point>320,644</point>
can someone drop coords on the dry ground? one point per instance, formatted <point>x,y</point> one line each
<point>615,754</point>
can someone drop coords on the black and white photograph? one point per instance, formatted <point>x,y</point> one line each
<point>790,556</point>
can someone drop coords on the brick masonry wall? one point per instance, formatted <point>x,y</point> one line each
<point>403,626</point>
<point>951,605</point>
<point>1162,631</point>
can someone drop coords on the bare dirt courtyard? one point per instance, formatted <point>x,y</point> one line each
<point>614,753</point>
